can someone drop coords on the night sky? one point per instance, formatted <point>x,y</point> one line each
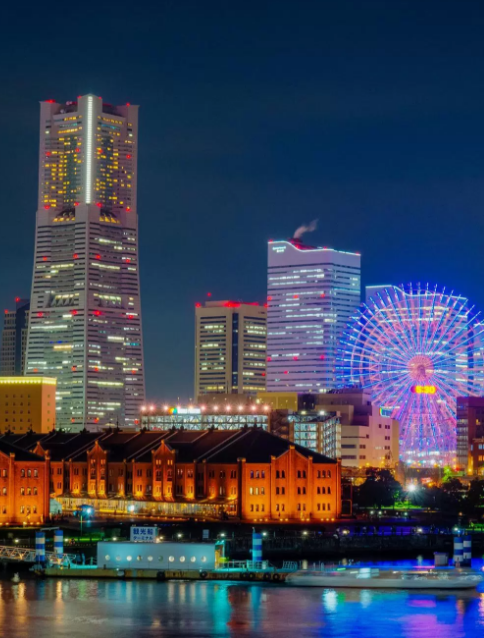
<point>256,117</point>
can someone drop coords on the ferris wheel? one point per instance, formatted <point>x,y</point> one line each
<point>416,349</point>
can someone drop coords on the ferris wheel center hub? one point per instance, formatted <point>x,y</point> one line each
<point>420,367</point>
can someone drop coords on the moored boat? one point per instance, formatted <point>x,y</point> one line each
<point>366,577</point>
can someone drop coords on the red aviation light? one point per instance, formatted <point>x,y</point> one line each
<point>263,374</point>
<point>44,258</point>
<point>286,371</point>
<point>133,371</point>
<point>322,356</point>
<point>269,358</point>
<point>128,156</point>
<point>76,203</point>
<point>75,256</point>
<point>198,305</point>
<point>50,101</point>
<point>128,209</point>
<point>96,420</point>
<point>129,316</point>
<point>48,153</point>
<point>99,204</point>
<point>128,260</point>
<point>296,297</point>
<point>40,314</point>
<point>296,358</point>
<point>6,311</point>
<point>96,369</point>
<point>98,256</point>
<point>78,150</point>
<point>97,313</point>
<point>269,298</point>
<point>74,312</point>
<point>17,299</point>
<point>46,206</point>
<point>232,304</point>
<point>73,368</point>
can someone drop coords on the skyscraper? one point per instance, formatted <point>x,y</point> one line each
<point>311,295</point>
<point>230,348</point>
<point>14,339</point>
<point>85,318</point>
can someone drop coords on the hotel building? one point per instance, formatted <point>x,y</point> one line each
<point>85,317</point>
<point>311,295</point>
<point>230,348</point>
<point>14,339</point>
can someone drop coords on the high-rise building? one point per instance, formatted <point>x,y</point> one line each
<point>311,295</point>
<point>14,339</point>
<point>85,318</point>
<point>230,348</point>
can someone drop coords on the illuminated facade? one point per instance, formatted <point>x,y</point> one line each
<point>230,348</point>
<point>202,418</point>
<point>246,474</point>
<point>85,319</point>
<point>27,404</point>
<point>311,295</point>
<point>14,339</point>
<point>470,428</point>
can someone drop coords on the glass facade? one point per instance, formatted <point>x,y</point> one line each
<point>85,318</point>
<point>312,294</point>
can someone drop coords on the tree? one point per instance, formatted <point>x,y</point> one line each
<point>379,490</point>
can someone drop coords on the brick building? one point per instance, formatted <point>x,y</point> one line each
<point>24,485</point>
<point>248,474</point>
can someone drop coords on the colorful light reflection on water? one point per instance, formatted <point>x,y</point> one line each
<point>134,609</point>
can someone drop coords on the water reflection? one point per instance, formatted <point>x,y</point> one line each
<point>137,609</point>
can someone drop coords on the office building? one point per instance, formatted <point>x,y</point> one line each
<point>245,474</point>
<point>202,417</point>
<point>14,339</point>
<point>470,429</point>
<point>85,317</point>
<point>230,348</point>
<point>27,404</point>
<point>311,295</point>
<point>362,435</point>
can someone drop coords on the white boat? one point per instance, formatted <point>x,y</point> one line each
<point>367,577</point>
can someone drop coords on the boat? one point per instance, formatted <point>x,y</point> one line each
<point>368,577</point>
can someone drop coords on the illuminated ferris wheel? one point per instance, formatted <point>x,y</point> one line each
<point>416,349</point>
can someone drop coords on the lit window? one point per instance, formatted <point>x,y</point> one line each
<point>150,558</point>
<point>193,559</point>
<point>182,559</point>
<point>171,559</point>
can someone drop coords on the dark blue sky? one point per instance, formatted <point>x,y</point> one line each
<point>256,117</point>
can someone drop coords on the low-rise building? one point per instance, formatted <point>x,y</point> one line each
<point>27,403</point>
<point>248,474</point>
<point>361,436</point>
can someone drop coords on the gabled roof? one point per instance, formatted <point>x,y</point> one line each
<point>20,454</point>
<point>256,445</point>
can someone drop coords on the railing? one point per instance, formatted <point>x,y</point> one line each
<point>29,556</point>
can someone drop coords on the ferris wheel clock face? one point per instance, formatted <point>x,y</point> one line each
<point>416,349</point>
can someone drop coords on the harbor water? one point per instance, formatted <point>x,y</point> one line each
<point>68,608</point>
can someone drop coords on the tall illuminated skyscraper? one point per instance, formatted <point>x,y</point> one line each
<point>311,295</point>
<point>85,314</point>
